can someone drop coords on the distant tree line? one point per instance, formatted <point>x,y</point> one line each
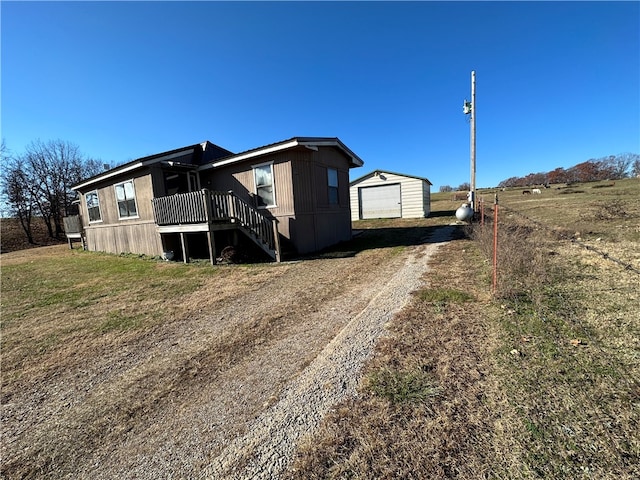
<point>613,167</point>
<point>37,183</point>
<point>461,188</point>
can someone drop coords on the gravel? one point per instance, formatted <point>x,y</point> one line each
<point>194,415</point>
<point>268,446</point>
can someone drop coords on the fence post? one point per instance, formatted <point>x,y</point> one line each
<point>495,244</point>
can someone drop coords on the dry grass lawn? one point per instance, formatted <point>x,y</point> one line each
<point>125,366</point>
<point>108,361</point>
<point>538,381</point>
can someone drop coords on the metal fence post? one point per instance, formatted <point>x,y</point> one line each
<point>495,244</point>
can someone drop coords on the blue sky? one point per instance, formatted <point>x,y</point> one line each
<point>557,82</point>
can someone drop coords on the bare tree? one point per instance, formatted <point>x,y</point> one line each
<point>635,168</point>
<point>621,165</point>
<point>42,177</point>
<point>55,166</point>
<point>15,193</point>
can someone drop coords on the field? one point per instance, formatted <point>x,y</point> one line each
<point>12,237</point>
<point>107,359</point>
<point>539,380</point>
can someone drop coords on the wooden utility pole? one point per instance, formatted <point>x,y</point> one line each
<point>473,141</point>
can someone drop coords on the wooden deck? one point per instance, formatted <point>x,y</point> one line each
<point>206,211</point>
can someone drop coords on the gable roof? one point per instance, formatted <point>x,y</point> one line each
<point>213,156</point>
<point>206,151</point>
<point>378,172</point>
<point>310,142</point>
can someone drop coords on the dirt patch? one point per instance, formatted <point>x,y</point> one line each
<point>13,238</point>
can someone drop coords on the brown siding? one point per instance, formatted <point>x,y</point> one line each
<point>300,181</point>
<point>134,237</point>
<point>239,179</point>
<point>331,223</point>
<point>302,208</point>
<point>137,235</point>
<point>316,224</point>
<point>304,183</point>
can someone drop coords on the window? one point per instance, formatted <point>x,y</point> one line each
<point>126,198</point>
<point>93,206</point>
<point>332,182</point>
<point>265,194</point>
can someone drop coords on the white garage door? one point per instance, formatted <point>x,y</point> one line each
<point>381,201</point>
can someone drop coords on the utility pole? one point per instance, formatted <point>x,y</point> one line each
<point>473,140</point>
<point>469,108</point>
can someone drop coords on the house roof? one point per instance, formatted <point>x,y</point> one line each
<point>378,172</point>
<point>310,142</point>
<point>208,150</point>
<point>214,156</point>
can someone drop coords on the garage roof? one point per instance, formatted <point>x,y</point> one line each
<point>378,172</point>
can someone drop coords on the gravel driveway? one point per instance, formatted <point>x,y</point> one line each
<point>229,391</point>
<point>267,447</point>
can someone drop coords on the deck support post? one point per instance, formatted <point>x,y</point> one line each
<point>211,241</point>
<point>212,247</point>
<point>208,212</point>
<point>276,240</point>
<point>185,248</point>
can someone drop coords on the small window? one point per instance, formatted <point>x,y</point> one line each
<point>332,182</point>
<point>126,198</point>
<point>93,206</point>
<point>265,194</point>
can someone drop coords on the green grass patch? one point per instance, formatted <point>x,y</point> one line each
<point>51,300</point>
<point>402,386</point>
<point>444,295</point>
<point>119,321</point>
<point>563,357</point>
<point>83,279</point>
<point>47,343</point>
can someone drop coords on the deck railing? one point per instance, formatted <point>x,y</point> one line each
<point>210,207</point>
<point>183,208</point>
<point>72,224</point>
<point>73,230</point>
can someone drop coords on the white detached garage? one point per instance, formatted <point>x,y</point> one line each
<point>382,194</point>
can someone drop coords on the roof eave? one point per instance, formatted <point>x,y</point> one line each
<point>135,165</point>
<point>285,145</point>
<point>356,161</point>
<point>372,173</point>
<point>252,154</point>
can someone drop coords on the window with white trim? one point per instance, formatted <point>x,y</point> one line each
<point>332,183</point>
<point>93,206</point>
<point>265,193</point>
<point>126,199</point>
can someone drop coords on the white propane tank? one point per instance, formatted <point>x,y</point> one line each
<point>464,212</point>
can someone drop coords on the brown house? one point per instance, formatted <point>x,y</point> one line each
<point>194,201</point>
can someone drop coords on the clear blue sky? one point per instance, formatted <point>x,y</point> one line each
<point>557,83</point>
